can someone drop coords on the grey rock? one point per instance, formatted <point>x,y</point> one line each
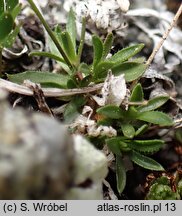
<point>36,155</point>
<point>90,168</point>
<point>39,159</point>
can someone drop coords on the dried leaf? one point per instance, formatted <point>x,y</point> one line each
<point>109,93</point>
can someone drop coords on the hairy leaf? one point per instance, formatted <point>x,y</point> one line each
<point>178,135</point>
<point>101,70</point>
<point>113,144</point>
<point>131,70</point>
<point>6,24</point>
<point>47,54</point>
<point>131,113</point>
<point>120,174</point>
<point>84,68</point>
<point>128,130</point>
<point>11,37</point>
<point>118,145</point>
<point>71,27</point>
<point>155,117</point>
<point>15,11</point>
<point>137,94</point>
<point>107,45</point>
<point>11,4</point>
<point>52,46</point>
<point>145,162</point>
<point>82,40</point>
<point>46,79</point>
<point>55,51</point>
<point>68,46</point>
<point>98,49</point>
<point>73,108</point>
<point>57,32</point>
<point>146,146</point>
<point>85,81</point>
<point>71,83</point>
<point>141,130</point>
<point>126,53</point>
<point>111,111</point>
<point>1,7</point>
<point>153,103</point>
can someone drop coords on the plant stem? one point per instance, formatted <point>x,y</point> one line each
<point>82,39</point>
<point>51,34</point>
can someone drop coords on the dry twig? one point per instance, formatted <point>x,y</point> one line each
<point>159,45</point>
<point>48,92</point>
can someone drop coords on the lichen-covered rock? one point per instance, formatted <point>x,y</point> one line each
<point>36,155</point>
<point>90,168</point>
<point>40,160</point>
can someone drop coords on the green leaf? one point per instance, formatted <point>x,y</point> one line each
<point>11,4</point>
<point>52,46</point>
<point>146,146</point>
<point>57,32</point>
<point>55,51</point>
<point>111,111</point>
<point>128,130</point>
<point>98,49</point>
<point>46,79</point>
<point>84,68</point>
<point>71,27</point>
<point>73,108</point>
<point>47,54</point>
<point>153,103</point>
<point>1,7</point>
<point>101,70</point>
<point>118,145</point>
<point>131,113</point>
<point>155,117</point>
<point>141,129</point>
<point>137,94</point>
<point>82,40</point>
<point>126,53</point>
<point>11,37</point>
<point>120,174</point>
<point>132,70</point>
<point>16,10</point>
<point>139,60</point>
<point>145,162</point>
<point>6,23</point>
<point>161,192</point>
<point>113,144</point>
<point>85,81</point>
<point>105,122</point>
<point>71,113</point>
<point>161,180</point>
<point>107,45</point>
<point>178,135</point>
<point>68,46</point>
<point>71,83</point>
